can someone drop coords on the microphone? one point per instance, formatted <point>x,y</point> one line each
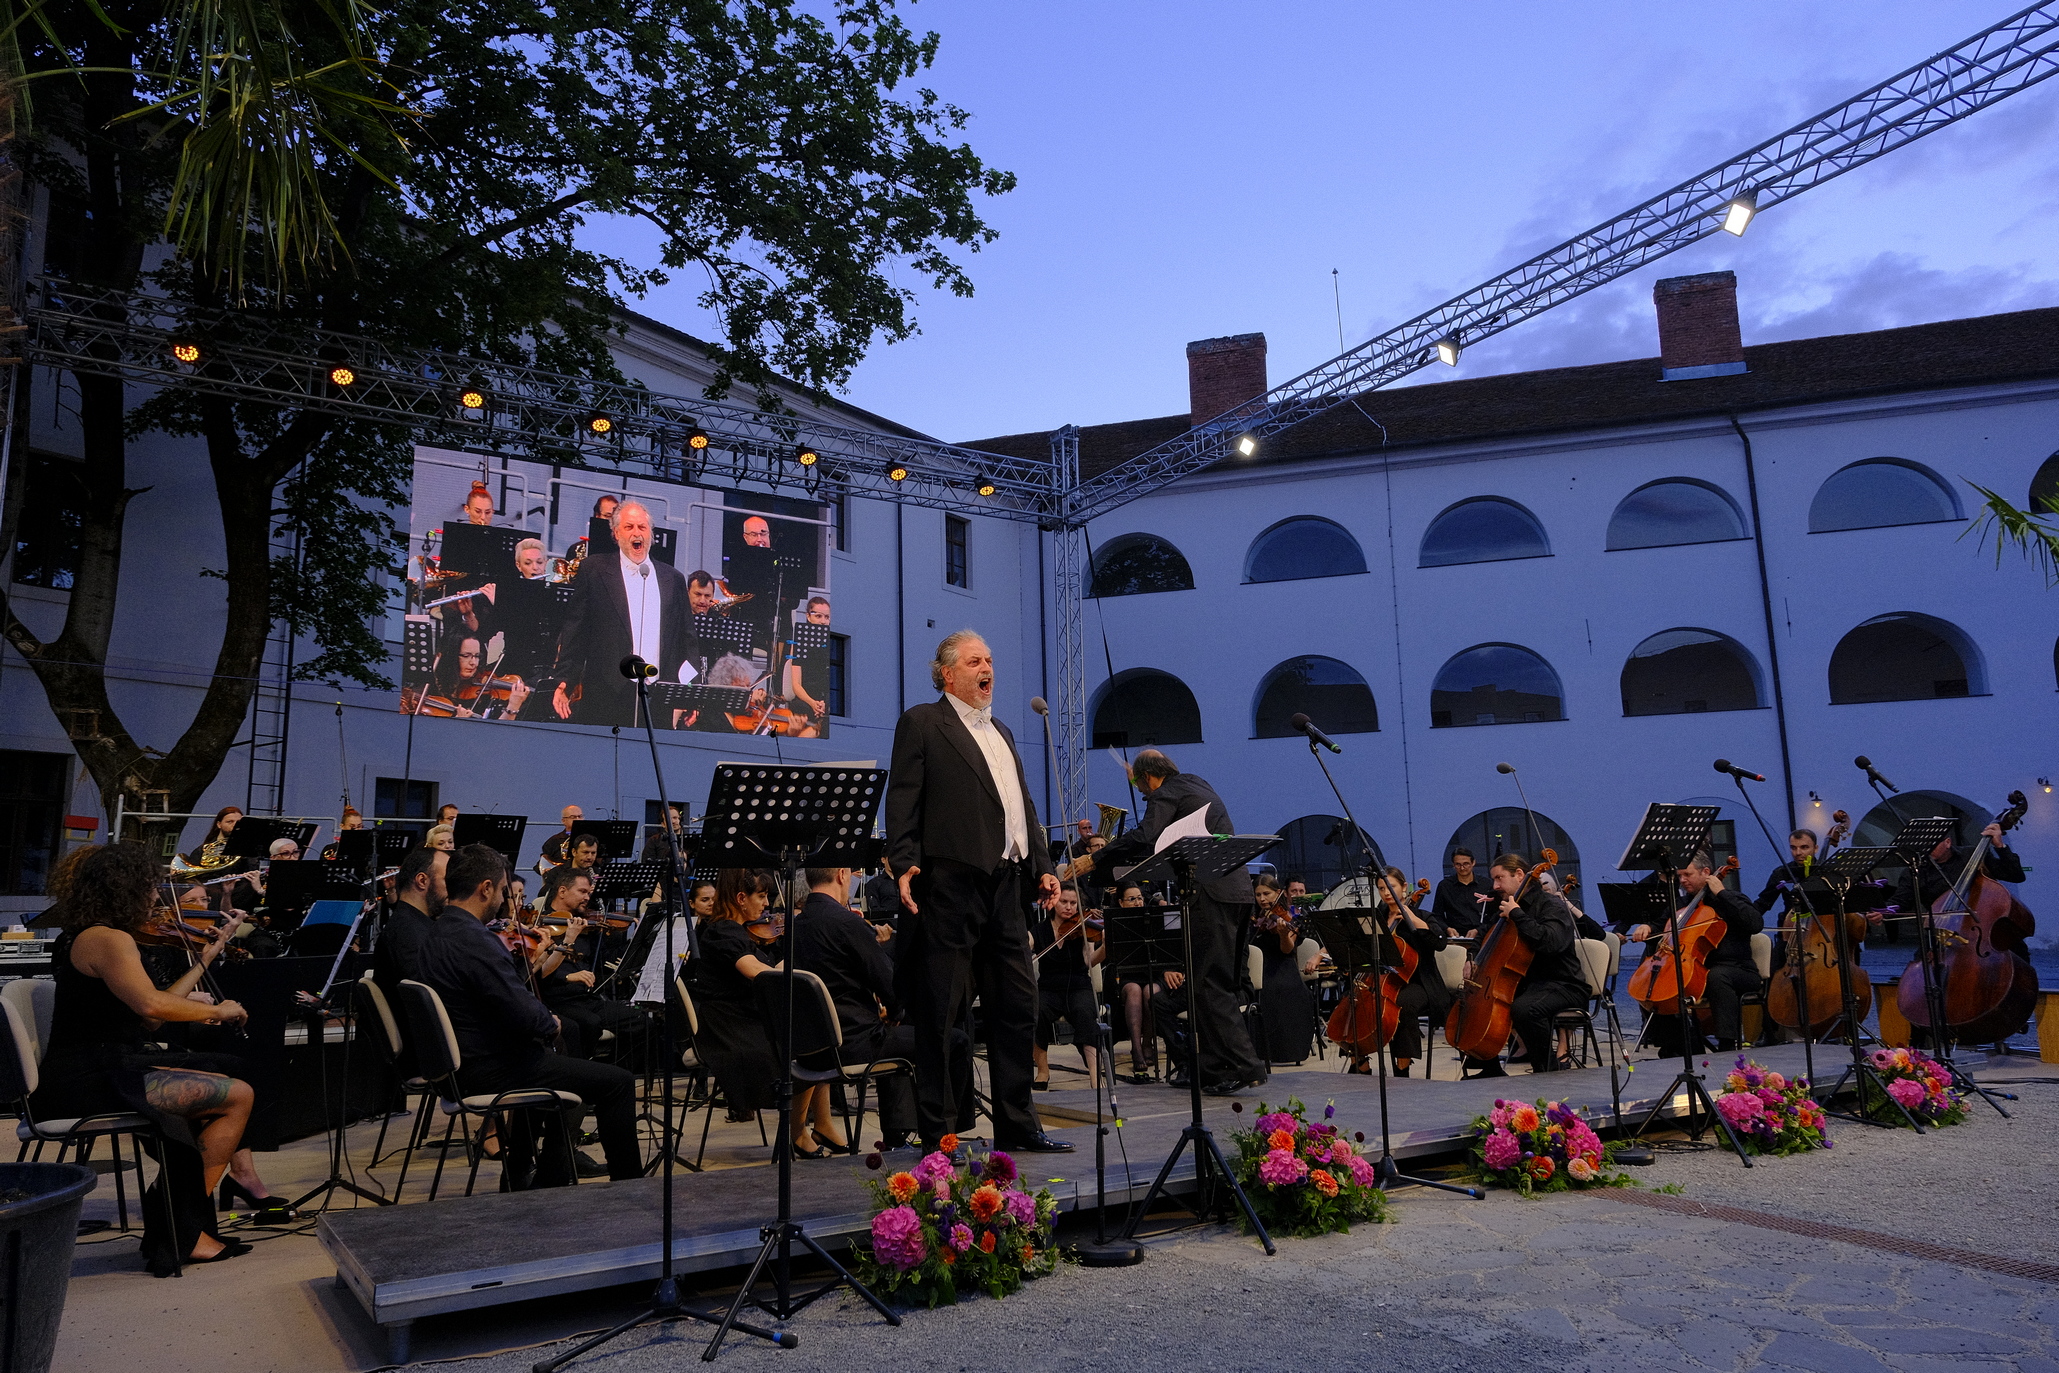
<point>636,669</point>
<point>1507,769</point>
<point>1873,773</point>
<point>1037,704</point>
<point>1725,765</point>
<point>1302,724</point>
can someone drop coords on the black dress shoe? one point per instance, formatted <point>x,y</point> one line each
<point>1229,1086</point>
<point>1037,1144</point>
<point>588,1167</point>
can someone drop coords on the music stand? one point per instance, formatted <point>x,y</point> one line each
<point>1191,861</point>
<point>1669,836</point>
<point>1840,872</point>
<point>617,838</point>
<point>480,550</point>
<point>1914,844</point>
<point>294,885</point>
<point>395,843</point>
<point>1352,937</point>
<point>357,849</point>
<point>254,836</point>
<point>669,697</point>
<point>501,833</point>
<point>718,631</point>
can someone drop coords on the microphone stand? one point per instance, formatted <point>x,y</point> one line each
<point>1797,968</point>
<point>1102,1251</point>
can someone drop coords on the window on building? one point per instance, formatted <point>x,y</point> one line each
<point>1676,510</point>
<point>1688,671</point>
<point>1880,492</point>
<point>1508,829</point>
<point>403,799</point>
<point>1303,547</point>
<point>839,666</point>
<point>31,819</point>
<point>2044,488</point>
<point>1495,684</point>
<point>1133,564</point>
<point>1485,529</point>
<point>1144,706</point>
<point>1905,657</point>
<point>46,542</point>
<point>1325,690</point>
<point>1315,853</point>
<point>838,512</point>
<point>956,534</point>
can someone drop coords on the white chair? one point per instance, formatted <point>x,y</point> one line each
<point>1595,957</point>
<point>1762,959</point>
<point>375,1010</point>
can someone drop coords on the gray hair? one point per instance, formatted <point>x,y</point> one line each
<point>536,544</point>
<point>615,515</point>
<point>947,653</point>
<point>730,670</point>
<point>280,846</point>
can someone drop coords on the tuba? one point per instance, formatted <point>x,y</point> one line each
<point>1114,819</point>
<point>208,861</point>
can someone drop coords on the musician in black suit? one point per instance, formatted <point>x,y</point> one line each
<point>630,603</point>
<point>1732,971</point>
<point>1223,908</point>
<point>963,840</point>
<point>1922,885</point>
<point>1461,899</point>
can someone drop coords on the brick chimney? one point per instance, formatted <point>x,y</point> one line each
<point>1698,333</point>
<point>1222,373</point>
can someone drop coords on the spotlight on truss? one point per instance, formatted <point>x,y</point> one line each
<point>1448,350</point>
<point>1738,213</point>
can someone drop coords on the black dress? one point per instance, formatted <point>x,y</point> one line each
<point>98,1055</point>
<point>1286,1006</point>
<point>732,1039</point>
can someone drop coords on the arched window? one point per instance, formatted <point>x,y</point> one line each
<point>1327,691</point>
<point>1485,529</point>
<point>1132,564</point>
<point>1495,684</point>
<point>1687,671</point>
<point>1313,854</point>
<point>1145,706</point>
<point>1880,492</point>
<point>1300,548</point>
<point>1507,829</point>
<point>1676,510</point>
<point>2044,487</point>
<point>1905,657</point>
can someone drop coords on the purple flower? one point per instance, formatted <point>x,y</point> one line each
<point>897,1238</point>
<point>1281,1168</point>
<point>1001,1167</point>
<point>1022,1209</point>
<point>961,1237</point>
<point>1330,1111</point>
<point>933,1169</point>
<point>1501,1151</point>
<point>1277,1120</point>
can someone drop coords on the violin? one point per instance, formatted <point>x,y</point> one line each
<point>594,921</point>
<point>166,931</point>
<point>1808,996</point>
<point>1990,988</point>
<point>1662,980</point>
<point>1481,1019</point>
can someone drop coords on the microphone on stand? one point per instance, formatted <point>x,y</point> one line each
<point>1506,769</point>
<point>1726,766</point>
<point>636,669</point>
<point>1301,724</point>
<point>1038,705</point>
<point>1873,773</point>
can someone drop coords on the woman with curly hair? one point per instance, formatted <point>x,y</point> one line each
<point>99,1059</point>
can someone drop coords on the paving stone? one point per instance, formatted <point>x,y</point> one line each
<point>1818,1355</point>
<point>1719,1343</point>
<point>1546,1322</point>
<point>1936,1339</point>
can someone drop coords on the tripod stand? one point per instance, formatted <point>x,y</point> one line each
<point>1101,1251</point>
<point>1841,871</point>
<point>1799,971</point>
<point>1180,860</point>
<point>336,1182</point>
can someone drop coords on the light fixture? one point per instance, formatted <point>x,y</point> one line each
<point>1815,800</point>
<point>186,350</point>
<point>986,486</point>
<point>1738,213</point>
<point>2046,783</point>
<point>342,375</point>
<point>806,456</point>
<point>697,438</point>
<point>897,472</point>
<point>1448,350</point>
<point>1247,444</point>
<point>598,423</point>
<point>472,398</point>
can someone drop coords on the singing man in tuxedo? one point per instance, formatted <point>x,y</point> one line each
<point>626,604</point>
<point>963,839</point>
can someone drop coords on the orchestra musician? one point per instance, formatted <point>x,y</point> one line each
<point>603,509</point>
<point>807,678</point>
<point>554,847</point>
<point>836,944</point>
<point>1461,899</point>
<point>442,836</point>
<point>1286,1007</point>
<point>1065,983</point>
<point>565,978</point>
<point>1137,991</point>
<point>1924,883</point>
<point>1425,993</point>
<point>628,604</point>
<point>1732,973</point>
<point>1555,982</point>
<point>464,678</point>
<point>479,504</point>
<point>736,941</point>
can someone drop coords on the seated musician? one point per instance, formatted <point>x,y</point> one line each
<point>502,1028</point>
<point>1425,993</point>
<point>1065,983</point>
<point>1923,884</point>
<point>1460,900</point>
<point>837,944</point>
<point>565,977</point>
<point>1137,991</point>
<point>735,940</point>
<point>1555,982</point>
<point>441,836</point>
<point>397,957</point>
<point>1286,1006</point>
<point>554,848</point>
<point>584,855</point>
<point>99,1059</point>
<point>1732,973</point>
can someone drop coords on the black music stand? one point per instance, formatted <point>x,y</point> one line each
<point>254,836</point>
<point>668,698</point>
<point>394,843</point>
<point>1352,937</point>
<point>1191,861</point>
<point>292,885</point>
<point>357,849</point>
<point>1918,839</point>
<point>1841,872</point>
<point>789,818</point>
<point>617,838</point>
<point>501,833</point>
<point>1669,836</point>
<point>718,631</point>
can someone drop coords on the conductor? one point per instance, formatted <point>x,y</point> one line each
<point>962,837</point>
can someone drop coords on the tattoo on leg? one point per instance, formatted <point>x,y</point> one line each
<point>180,1092</point>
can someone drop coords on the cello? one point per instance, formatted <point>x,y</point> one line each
<point>1480,1019</point>
<point>1990,988</point>
<point>1358,1025</point>
<point>1807,995</point>
<point>1660,982</point>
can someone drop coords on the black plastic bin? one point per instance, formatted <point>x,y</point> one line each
<point>36,1237</point>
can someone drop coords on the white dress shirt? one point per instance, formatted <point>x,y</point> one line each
<point>1000,763</point>
<point>640,585</point>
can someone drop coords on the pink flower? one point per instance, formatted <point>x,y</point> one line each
<point>961,1237</point>
<point>1741,1109</point>
<point>1581,1170</point>
<point>1499,1116</point>
<point>1278,1120</point>
<point>1022,1209</point>
<point>1281,1168</point>
<point>933,1169</point>
<point>1501,1151</point>
<point>1776,1082</point>
<point>1361,1172</point>
<point>1909,1094</point>
<point>1769,1096</point>
<point>897,1238</point>
<point>1581,1139</point>
<point>1001,1167</point>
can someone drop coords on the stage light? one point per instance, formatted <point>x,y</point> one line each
<point>1448,350</point>
<point>897,472</point>
<point>696,438</point>
<point>1738,213</point>
<point>472,399</point>
<point>986,486</point>
<point>598,423</point>
<point>342,375</point>
<point>806,456</point>
<point>186,350</point>
<point>1247,444</point>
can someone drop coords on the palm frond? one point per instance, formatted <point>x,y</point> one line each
<point>2033,534</point>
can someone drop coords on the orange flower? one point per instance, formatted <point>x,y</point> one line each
<point>1029,1254</point>
<point>986,1243</point>
<point>948,1144</point>
<point>1280,1139</point>
<point>902,1186</point>
<point>985,1202</point>
<point>1541,1168</point>
<point>947,1254</point>
<point>1324,1183</point>
<point>1524,1119</point>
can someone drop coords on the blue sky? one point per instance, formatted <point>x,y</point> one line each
<point>1196,169</point>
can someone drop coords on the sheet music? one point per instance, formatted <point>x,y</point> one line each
<point>1191,826</point>
<point>650,983</point>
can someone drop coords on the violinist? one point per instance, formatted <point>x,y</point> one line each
<point>1460,901</point>
<point>1922,885</point>
<point>565,975</point>
<point>472,687</point>
<point>1286,1006</point>
<point>1732,973</point>
<point>1555,981</point>
<point>1425,993</point>
<point>735,948</point>
<point>1065,983</point>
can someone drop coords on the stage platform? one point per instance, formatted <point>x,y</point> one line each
<point>459,1253</point>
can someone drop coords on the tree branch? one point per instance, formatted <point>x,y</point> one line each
<point>508,226</point>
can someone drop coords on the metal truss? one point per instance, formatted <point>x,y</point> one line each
<point>524,412</point>
<point>1070,571</point>
<point>1992,65</point>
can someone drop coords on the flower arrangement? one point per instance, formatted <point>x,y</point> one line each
<point>1770,1113</point>
<point>1921,1084</point>
<point>1542,1148</point>
<point>940,1229</point>
<point>1305,1179</point>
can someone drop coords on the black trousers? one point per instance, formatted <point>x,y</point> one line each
<point>1729,983</point>
<point>1210,1000</point>
<point>1416,1001</point>
<point>609,1090</point>
<point>1073,1005</point>
<point>1536,1005</point>
<point>970,937</point>
<point>895,1092</point>
<point>585,1017</point>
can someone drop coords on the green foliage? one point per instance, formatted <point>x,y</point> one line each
<point>940,1231</point>
<point>2033,534</point>
<point>1305,1179</point>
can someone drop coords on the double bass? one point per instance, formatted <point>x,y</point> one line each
<point>1481,1018</point>
<point>1359,1025</point>
<point>1807,994</point>
<point>1990,988</point>
<point>1660,981</point>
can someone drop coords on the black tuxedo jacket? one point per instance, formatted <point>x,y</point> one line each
<point>1176,798</point>
<point>941,800</point>
<point>595,637</point>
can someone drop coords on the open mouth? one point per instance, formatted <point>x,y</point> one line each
<point>985,683</point>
